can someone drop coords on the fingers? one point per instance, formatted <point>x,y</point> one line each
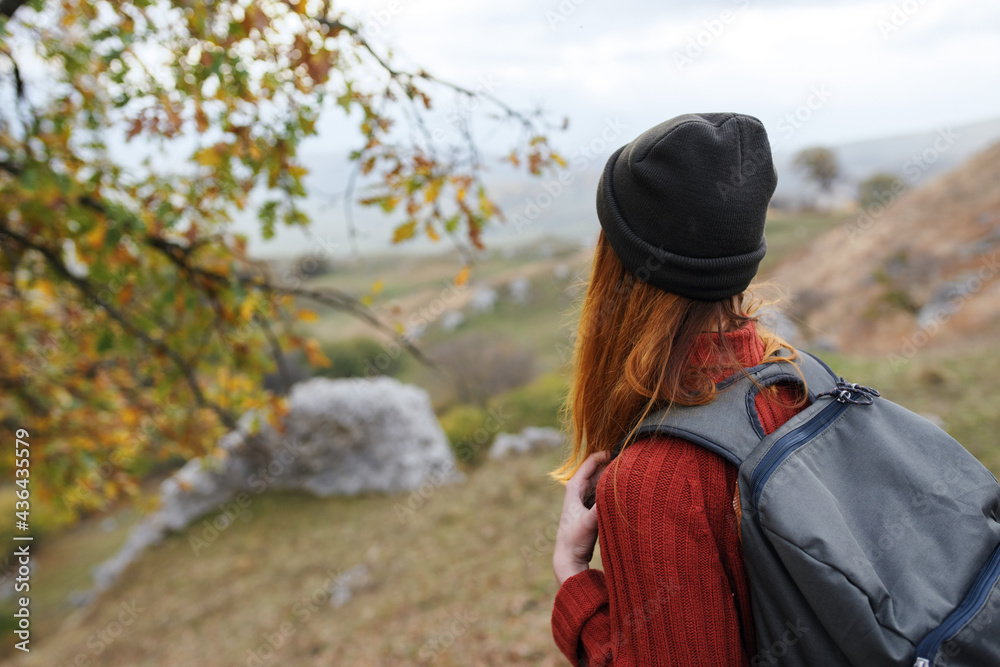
<point>589,466</point>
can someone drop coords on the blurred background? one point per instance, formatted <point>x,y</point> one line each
<point>289,292</point>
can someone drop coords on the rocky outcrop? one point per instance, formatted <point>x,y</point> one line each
<point>531,439</point>
<point>343,437</point>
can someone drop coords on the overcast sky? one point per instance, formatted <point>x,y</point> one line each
<point>813,72</point>
<point>886,67</point>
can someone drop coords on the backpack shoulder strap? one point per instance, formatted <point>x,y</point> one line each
<point>729,425</point>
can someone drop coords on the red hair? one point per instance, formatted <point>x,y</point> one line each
<point>632,354</point>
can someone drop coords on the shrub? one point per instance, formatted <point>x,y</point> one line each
<point>361,357</point>
<point>535,404</point>
<point>482,365</point>
<point>470,430</point>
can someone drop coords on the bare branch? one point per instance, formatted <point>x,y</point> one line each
<point>406,78</point>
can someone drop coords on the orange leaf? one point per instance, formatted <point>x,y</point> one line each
<point>315,355</point>
<point>463,275</point>
<point>125,295</point>
<point>308,315</point>
<point>200,118</point>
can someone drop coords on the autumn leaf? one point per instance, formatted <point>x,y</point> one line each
<point>432,191</point>
<point>404,231</point>
<point>140,280</point>
<point>315,355</point>
<point>463,276</point>
<point>125,295</point>
<point>431,232</point>
<point>209,157</point>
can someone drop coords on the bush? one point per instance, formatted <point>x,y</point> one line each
<point>482,365</point>
<point>535,404</point>
<point>881,189</point>
<point>361,357</point>
<point>469,431</point>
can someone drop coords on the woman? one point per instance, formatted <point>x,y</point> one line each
<point>667,315</point>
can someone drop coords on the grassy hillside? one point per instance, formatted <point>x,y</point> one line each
<point>921,270</point>
<point>458,575</point>
<point>463,579</point>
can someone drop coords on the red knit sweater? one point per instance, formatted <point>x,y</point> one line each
<point>673,590</point>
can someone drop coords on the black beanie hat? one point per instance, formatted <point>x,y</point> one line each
<point>683,205</point>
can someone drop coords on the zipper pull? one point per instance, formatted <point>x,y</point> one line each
<point>851,392</point>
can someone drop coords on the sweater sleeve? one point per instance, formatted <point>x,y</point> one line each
<point>581,622</point>
<point>673,589</point>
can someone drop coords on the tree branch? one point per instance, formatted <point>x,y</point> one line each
<point>406,78</point>
<point>327,296</point>
<point>84,286</point>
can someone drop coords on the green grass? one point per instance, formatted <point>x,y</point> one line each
<point>478,551</point>
<point>961,388</point>
<point>788,232</point>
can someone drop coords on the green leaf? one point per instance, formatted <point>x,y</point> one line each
<point>106,341</point>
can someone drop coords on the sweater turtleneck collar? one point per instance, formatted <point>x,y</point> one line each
<point>745,342</point>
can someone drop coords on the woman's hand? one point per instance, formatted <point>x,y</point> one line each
<point>577,532</point>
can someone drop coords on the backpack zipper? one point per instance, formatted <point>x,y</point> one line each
<point>973,600</point>
<point>787,444</point>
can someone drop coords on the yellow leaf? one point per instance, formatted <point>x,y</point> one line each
<point>404,231</point>
<point>377,286</point>
<point>46,288</point>
<point>95,238</point>
<point>463,275</point>
<point>432,191</point>
<point>210,157</point>
<point>247,308</point>
<point>366,300</point>
<point>558,159</point>
<point>431,233</point>
<point>308,315</point>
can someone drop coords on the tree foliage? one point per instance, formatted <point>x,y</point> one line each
<point>819,164</point>
<point>879,189</point>
<point>132,134</point>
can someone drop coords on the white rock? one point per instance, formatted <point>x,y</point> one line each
<point>483,299</point>
<point>532,438</point>
<point>347,582</point>
<point>343,437</point>
<point>518,288</point>
<point>451,320</point>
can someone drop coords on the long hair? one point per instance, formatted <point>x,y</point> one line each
<point>633,353</point>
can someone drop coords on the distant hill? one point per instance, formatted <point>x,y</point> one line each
<point>545,207</point>
<point>924,271</point>
<point>917,158</point>
<point>572,214</point>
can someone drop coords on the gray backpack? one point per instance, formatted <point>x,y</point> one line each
<point>870,535</point>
